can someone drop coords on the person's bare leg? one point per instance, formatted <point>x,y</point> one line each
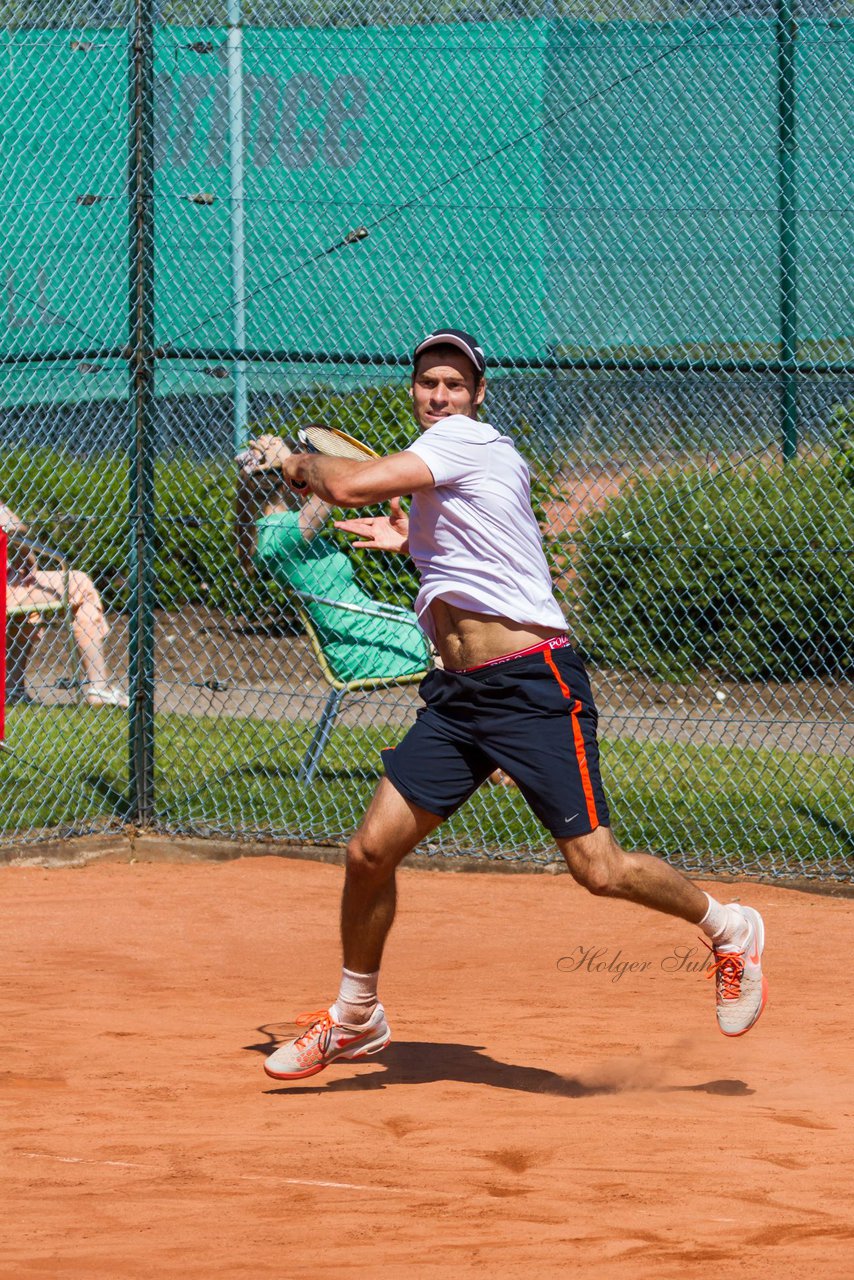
<point>391,828</point>
<point>88,624</point>
<point>90,629</point>
<point>598,863</point>
<point>355,1025</point>
<point>20,637</point>
<point>736,932</point>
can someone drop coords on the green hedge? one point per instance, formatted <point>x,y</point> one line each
<point>747,575</point>
<point>841,423</point>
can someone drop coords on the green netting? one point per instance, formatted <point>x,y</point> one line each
<point>644,212</point>
<point>617,187</point>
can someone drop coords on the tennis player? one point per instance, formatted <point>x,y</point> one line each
<point>513,694</point>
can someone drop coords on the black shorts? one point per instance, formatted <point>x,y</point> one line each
<point>532,716</point>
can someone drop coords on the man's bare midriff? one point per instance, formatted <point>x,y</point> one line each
<point>466,639</point>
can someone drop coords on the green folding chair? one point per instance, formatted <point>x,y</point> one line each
<point>338,688</point>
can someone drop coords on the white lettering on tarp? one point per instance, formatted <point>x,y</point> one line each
<point>343,139</point>
<point>25,311</point>
<point>299,121</point>
<point>300,134</point>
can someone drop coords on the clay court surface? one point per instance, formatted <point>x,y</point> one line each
<point>530,1117</point>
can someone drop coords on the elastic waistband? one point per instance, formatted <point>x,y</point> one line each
<point>556,642</point>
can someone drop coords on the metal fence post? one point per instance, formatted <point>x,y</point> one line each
<point>141,442</point>
<point>236,143</point>
<point>550,162</point>
<point>786,34</point>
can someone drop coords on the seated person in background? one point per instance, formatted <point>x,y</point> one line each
<point>28,585</point>
<point>279,534</point>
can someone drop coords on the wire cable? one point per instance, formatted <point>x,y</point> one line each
<point>487,158</point>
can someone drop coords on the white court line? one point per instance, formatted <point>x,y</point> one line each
<point>314,1182</point>
<point>116,1164</point>
<point>350,1186</point>
<point>250,1177</point>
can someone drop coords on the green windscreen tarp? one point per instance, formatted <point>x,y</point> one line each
<point>550,186</point>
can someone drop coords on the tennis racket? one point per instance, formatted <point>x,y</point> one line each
<point>317,439</point>
<point>334,443</point>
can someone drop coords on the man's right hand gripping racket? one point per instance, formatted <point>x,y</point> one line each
<point>316,439</point>
<point>334,444</point>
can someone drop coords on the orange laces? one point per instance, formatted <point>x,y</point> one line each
<point>320,1020</point>
<point>729,966</point>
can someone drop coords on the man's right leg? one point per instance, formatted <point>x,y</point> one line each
<point>355,1025</point>
<point>390,829</point>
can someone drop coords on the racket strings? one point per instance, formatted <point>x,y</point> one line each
<point>335,444</point>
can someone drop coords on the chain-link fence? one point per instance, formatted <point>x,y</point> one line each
<point>219,219</point>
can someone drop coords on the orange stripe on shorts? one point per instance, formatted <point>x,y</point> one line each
<point>578,741</point>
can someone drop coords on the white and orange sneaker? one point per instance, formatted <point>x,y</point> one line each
<point>741,991</point>
<point>327,1040</point>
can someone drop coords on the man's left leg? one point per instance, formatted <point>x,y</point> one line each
<point>355,1024</point>
<point>737,933</point>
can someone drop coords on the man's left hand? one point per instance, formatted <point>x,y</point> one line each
<point>380,533</point>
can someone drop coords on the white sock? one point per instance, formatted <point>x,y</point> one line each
<point>357,997</point>
<point>723,925</point>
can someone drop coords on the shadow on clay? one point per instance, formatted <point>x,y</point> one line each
<point>408,1062</point>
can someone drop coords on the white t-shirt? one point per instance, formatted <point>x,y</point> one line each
<point>474,537</point>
